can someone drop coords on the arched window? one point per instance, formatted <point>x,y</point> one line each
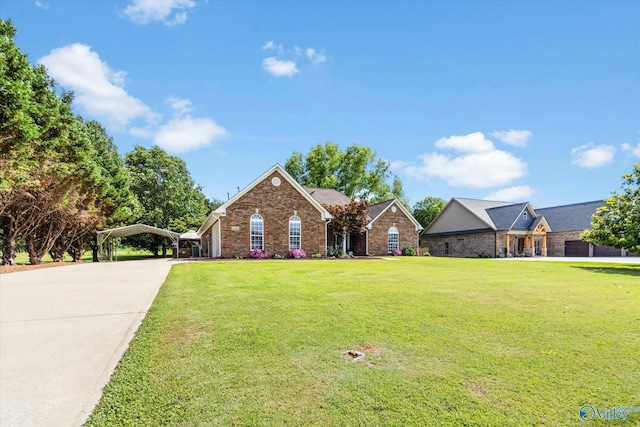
<point>257,232</point>
<point>394,240</point>
<point>295,232</point>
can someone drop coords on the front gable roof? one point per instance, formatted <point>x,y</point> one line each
<point>222,209</point>
<point>471,215</point>
<point>375,211</point>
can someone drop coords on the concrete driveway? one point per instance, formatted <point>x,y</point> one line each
<point>62,333</point>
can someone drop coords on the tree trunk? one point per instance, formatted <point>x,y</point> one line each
<point>8,242</point>
<point>35,256</point>
<point>57,252</point>
<point>164,250</point>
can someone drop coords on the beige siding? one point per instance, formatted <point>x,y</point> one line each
<point>456,218</point>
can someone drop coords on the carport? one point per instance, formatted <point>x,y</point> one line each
<point>105,237</point>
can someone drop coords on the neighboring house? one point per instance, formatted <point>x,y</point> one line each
<point>276,214</point>
<point>481,228</point>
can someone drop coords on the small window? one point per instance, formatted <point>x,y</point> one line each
<point>446,248</point>
<point>394,240</point>
<point>524,215</point>
<point>257,232</point>
<point>295,233</point>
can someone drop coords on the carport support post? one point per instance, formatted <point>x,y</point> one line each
<point>177,248</point>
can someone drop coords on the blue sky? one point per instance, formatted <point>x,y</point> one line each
<point>523,100</point>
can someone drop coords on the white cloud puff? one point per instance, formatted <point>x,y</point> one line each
<point>518,138</point>
<point>181,106</point>
<point>279,67</point>
<point>593,156</point>
<point>168,12</point>
<point>315,57</point>
<point>98,89</point>
<point>41,5</point>
<point>518,193</point>
<point>634,151</point>
<point>480,164</point>
<point>471,143</point>
<point>185,134</point>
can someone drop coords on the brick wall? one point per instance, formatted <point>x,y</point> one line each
<point>276,205</point>
<point>379,233</point>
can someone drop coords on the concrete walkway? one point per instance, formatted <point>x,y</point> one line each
<point>62,333</point>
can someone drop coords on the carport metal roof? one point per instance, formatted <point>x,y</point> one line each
<point>130,230</point>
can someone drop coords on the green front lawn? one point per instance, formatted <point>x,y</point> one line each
<point>447,342</point>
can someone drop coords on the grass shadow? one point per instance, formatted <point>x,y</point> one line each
<point>625,270</point>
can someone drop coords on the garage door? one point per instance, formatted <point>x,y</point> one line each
<point>606,251</point>
<point>576,248</point>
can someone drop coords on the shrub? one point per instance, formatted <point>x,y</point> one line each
<point>276,255</point>
<point>335,253</point>
<point>318,255</point>
<point>426,254</point>
<point>297,253</point>
<point>236,256</point>
<point>396,252</point>
<point>409,252</point>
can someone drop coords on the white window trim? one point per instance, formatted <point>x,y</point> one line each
<point>396,232</point>
<point>251,234</point>
<point>299,221</point>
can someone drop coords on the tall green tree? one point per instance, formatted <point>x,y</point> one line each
<point>355,172</point>
<point>55,181</point>
<point>427,209</point>
<point>168,196</point>
<point>617,222</point>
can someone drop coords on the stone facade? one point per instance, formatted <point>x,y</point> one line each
<point>379,232</point>
<point>276,204</point>
<point>463,245</point>
<point>555,242</point>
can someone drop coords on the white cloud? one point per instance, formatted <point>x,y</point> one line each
<point>480,165</point>
<point>518,193</point>
<point>168,12</point>
<point>591,156</point>
<point>41,5</point>
<point>315,57</point>
<point>471,143</point>
<point>181,106</point>
<point>634,151</point>
<point>278,67</point>
<point>98,89</point>
<point>185,133</point>
<point>519,138</point>
<point>270,45</point>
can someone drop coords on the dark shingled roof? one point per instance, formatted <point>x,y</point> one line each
<point>376,210</point>
<point>503,217</point>
<point>328,196</point>
<point>570,217</point>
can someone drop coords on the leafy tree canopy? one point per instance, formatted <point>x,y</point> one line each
<point>617,222</point>
<point>427,209</point>
<point>167,195</point>
<point>354,172</point>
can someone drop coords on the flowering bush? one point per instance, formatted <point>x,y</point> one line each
<point>396,252</point>
<point>297,253</point>
<point>258,253</point>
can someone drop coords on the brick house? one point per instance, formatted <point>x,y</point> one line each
<point>481,228</point>
<point>276,214</point>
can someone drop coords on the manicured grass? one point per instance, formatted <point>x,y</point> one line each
<point>447,342</point>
